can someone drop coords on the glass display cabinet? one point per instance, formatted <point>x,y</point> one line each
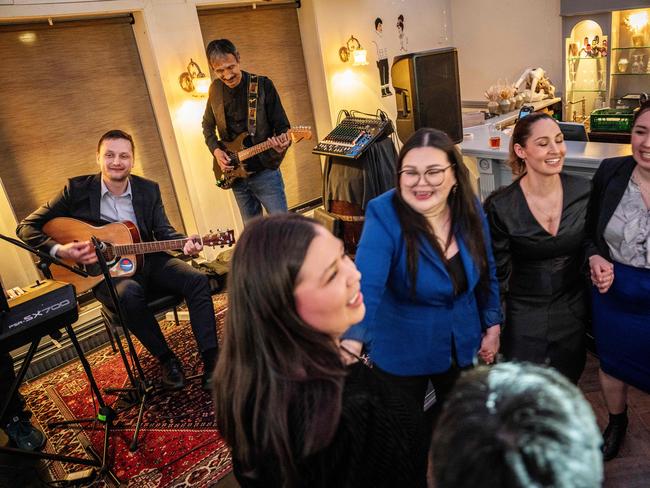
<point>586,83</point>
<point>630,69</point>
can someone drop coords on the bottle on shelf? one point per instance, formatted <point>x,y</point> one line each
<point>599,102</point>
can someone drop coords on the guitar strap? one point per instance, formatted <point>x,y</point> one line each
<point>219,111</point>
<point>252,97</point>
<point>253,93</point>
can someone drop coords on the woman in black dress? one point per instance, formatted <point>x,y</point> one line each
<point>538,227</point>
<point>291,410</point>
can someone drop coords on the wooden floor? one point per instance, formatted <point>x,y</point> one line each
<point>631,469</point>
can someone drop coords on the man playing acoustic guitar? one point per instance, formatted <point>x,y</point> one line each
<point>244,103</point>
<point>116,195</point>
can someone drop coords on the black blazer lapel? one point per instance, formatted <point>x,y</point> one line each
<point>138,198</point>
<point>95,195</point>
<point>614,192</point>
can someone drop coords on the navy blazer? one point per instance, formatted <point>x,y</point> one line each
<point>80,199</point>
<point>408,335</point>
<point>609,184</point>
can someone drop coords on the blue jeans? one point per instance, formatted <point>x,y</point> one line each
<point>265,188</point>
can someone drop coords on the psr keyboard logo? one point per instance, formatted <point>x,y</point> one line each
<point>40,313</point>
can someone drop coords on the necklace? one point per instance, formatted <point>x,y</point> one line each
<point>643,189</point>
<point>444,229</point>
<point>549,217</point>
<point>364,359</point>
<point>637,179</point>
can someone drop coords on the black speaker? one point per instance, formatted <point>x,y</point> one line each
<point>427,92</point>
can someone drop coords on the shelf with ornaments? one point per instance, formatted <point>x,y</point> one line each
<point>630,52</point>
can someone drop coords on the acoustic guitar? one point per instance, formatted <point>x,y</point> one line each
<point>121,247</point>
<point>238,152</point>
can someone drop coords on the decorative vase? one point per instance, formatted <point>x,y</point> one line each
<point>622,65</point>
<point>513,103</point>
<point>504,105</point>
<point>519,101</point>
<point>493,107</point>
<point>638,40</point>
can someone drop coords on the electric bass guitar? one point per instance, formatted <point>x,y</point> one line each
<point>239,152</point>
<point>121,247</point>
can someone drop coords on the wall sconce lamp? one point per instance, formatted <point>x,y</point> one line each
<point>194,80</point>
<point>353,49</point>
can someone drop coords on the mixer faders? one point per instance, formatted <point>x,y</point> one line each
<point>352,137</point>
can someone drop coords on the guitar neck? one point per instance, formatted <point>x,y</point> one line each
<point>249,152</point>
<point>254,150</point>
<point>149,247</point>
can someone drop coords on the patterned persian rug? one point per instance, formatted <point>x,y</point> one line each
<point>179,445</point>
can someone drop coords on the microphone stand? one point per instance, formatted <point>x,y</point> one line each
<point>139,386</point>
<point>105,414</point>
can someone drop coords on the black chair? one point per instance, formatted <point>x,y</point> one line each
<point>158,305</point>
<point>574,131</point>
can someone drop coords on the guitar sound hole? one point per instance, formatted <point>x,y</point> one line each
<point>109,253</point>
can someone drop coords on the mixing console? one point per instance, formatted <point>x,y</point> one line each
<point>352,137</point>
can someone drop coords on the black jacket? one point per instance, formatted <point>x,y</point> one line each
<point>609,184</point>
<point>80,199</point>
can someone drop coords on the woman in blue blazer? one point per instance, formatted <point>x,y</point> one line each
<point>428,275</point>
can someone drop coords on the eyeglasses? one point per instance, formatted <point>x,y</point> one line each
<point>433,176</point>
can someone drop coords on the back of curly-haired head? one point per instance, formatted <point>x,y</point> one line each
<point>518,426</point>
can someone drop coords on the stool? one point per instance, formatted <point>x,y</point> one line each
<point>157,305</point>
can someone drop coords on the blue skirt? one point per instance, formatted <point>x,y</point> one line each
<point>621,320</point>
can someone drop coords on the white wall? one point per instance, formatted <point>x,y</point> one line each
<point>500,38</point>
<point>427,26</point>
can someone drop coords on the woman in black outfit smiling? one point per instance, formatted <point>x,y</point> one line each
<point>294,414</point>
<point>538,227</point>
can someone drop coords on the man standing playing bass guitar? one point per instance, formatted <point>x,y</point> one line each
<point>240,102</point>
<point>116,195</point>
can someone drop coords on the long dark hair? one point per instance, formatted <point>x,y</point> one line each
<point>462,203</point>
<point>520,134</point>
<point>273,366</point>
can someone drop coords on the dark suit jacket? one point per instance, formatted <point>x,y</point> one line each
<point>80,199</point>
<point>609,184</point>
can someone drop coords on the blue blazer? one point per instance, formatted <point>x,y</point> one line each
<point>408,335</point>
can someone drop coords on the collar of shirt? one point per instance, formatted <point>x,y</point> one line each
<point>126,193</point>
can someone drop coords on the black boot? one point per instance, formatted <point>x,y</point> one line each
<point>172,374</point>
<point>209,362</point>
<point>614,435</point>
